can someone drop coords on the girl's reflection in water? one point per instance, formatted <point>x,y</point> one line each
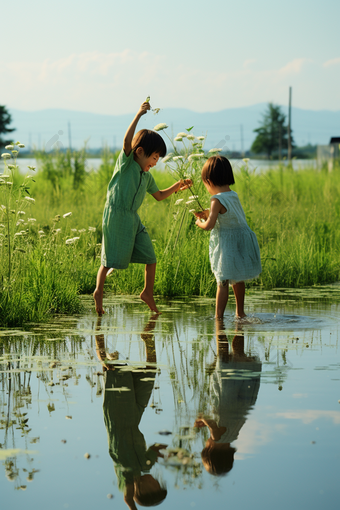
<point>235,382</point>
<point>126,396</point>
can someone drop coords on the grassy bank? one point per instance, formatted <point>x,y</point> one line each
<point>47,259</point>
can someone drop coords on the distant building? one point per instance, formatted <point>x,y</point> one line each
<point>328,153</point>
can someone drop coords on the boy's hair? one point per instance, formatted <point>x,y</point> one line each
<point>218,171</point>
<point>217,461</point>
<point>152,498</point>
<point>150,141</point>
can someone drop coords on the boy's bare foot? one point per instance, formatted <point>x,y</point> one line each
<point>240,316</point>
<point>98,300</point>
<point>149,300</point>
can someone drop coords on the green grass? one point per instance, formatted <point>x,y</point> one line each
<point>295,216</point>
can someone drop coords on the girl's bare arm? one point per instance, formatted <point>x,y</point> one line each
<point>132,128</point>
<point>215,209</point>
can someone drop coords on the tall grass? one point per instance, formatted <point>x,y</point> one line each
<point>48,259</point>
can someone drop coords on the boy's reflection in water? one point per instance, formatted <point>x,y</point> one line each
<point>123,411</point>
<point>231,398</point>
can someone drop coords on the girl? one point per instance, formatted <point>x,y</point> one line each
<point>233,250</point>
<point>125,239</point>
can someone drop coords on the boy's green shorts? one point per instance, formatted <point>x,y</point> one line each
<point>126,240</point>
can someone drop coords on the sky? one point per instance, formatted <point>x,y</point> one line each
<point>108,56</point>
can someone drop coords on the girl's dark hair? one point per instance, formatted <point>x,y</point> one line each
<point>218,171</point>
<point>150,141</point>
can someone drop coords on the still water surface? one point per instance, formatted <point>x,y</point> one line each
<point>256,165</point>
<point>249,411</point>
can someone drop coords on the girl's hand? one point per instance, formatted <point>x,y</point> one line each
<point>144,108</point>
<point>184,184</point>
<point>202,214</point>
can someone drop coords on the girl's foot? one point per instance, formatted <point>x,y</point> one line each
<point>149,300</point>
<point>98,301</point>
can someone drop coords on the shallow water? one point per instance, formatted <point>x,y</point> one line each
<point>272,380</point>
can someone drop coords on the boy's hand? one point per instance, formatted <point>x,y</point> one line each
<point>202,214</point>
<point>157,447</point>
<point>185,184</point>
<point>144,108</point>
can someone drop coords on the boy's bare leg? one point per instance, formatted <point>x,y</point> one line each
<point>147,293</point>
<point>98,293</point>
<point>239,289</point>
<point>222,295</point>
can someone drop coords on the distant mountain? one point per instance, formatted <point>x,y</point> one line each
<point>46,127</point>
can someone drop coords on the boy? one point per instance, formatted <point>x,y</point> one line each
<point>125,239</point>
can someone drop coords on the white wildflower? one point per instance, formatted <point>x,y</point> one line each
<point>192,210</point>
<point>179,201</point>
<point>66,215</point>
<point>42,235</point>
<point>193,197</point>
<point>31,167</point>
<point>30,199</point>
<point>21,212</point>
<point>195,156</point>
<point>4,176</point>
<point>20,221</point>
<point>6,155</point>
<point>178,139</point>
<point>11,167</point>
<point>215,150</point>
<point>9,183</point>
<point>72,240</point>
<point>15,152</point>
<point>201,138</point>
<point>92,229</point>
<point>246,160</point>
<point>57,230</point>
<point>74,230</point>
<point>182,135</point>
<point>31,220</point>
<point>2,181</point>
<point>168,157</point>
<point>2,226</point>
<point>18,234</point>
<point>9,147</point>
<point>160,127</point>
<point>3,207</point>
<point>23,232</point>
<point>82,230</point>
<point>177,157</point>
<point>21,145</point>
<point>191,137</point>
<point>41,232</point>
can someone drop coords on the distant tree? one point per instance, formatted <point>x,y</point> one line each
<point>5,120</point>
<point>272,135</point>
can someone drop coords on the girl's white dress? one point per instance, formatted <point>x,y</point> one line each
<point>233,249</point>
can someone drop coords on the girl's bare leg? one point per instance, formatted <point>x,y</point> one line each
<point>147,293</point>
<point>98,293</point>
<point>239,289</point>
<point>222,295</point>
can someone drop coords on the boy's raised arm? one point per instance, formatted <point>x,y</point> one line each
<point>131,129</point>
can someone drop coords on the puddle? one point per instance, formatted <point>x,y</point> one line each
<point>205,413</point>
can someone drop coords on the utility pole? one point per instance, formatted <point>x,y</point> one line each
<point>69,136</point>
<point>289,125</point>
<point>242,150</point>
<point>280,142</point>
